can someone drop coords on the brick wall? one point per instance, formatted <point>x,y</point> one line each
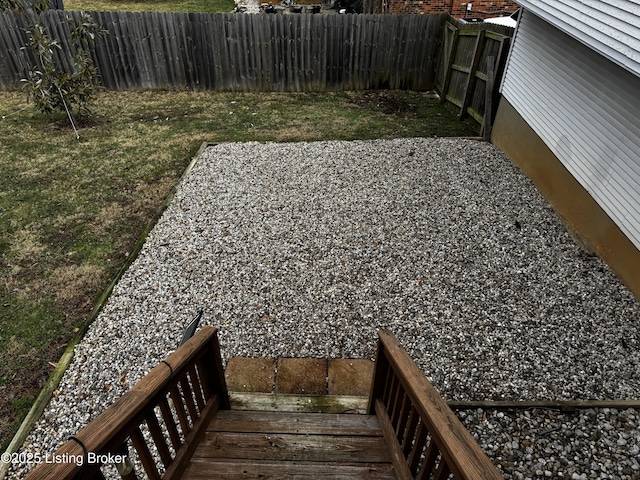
<point>419,6</point>
<point>482,9</point>
<point>457,8</point>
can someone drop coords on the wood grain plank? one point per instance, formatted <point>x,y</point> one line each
<point>208,468</point>
<point>286,447</point>
<point>300,423</point>
<point>298,403</point>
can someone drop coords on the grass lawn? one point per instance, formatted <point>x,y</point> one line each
<point>207,6</point>
<point>71,210</point>
<point>187,6</point>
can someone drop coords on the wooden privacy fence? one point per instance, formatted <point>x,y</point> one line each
<point>243,52</point>
<point>470,67</point>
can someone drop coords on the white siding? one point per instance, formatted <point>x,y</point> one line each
<point>611,27</point>
<point>586,110</point>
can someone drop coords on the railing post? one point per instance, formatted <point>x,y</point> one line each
<point>381,367</point>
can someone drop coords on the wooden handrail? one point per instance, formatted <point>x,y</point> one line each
<point>425,437</point>
<point>189,385</point>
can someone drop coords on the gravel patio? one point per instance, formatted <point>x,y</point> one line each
<point>307,249</point>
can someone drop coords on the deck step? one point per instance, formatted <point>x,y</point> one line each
<point>311,424</point>
<point>250,444</point>
<point>274,402</point>
<point>201,469</point>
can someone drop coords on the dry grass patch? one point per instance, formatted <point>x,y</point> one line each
<point>74,280</point>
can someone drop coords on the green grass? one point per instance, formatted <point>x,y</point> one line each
<point>71,210</point>
<point>207,6</point>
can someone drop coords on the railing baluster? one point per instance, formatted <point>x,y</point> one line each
<point>403,416</point>
<point>390,394</point>
<point>418,447</point>
<point>158,438</point>
<point>195,385</point>
<point>388,381</point>
<point>202,374</point>
<point>410,431</point>
<point>170,423</point>
<point>145,455</point>
<point>180,410</point>
<point>394,406</point>
<point>443,471</point>
<point>187,394</point>
<point>429,463</point>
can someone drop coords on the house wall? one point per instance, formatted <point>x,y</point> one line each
<point>583,217</point>
<point>568,118</point>
<point>610,28</point>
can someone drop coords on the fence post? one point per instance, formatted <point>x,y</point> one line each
<point>448,59</point>
<point>487,120</point>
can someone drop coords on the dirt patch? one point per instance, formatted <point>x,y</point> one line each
<point>389,102</point>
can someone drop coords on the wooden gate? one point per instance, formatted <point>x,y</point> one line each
<point>471,63</point>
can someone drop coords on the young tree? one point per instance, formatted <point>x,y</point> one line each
<point>48,85</point>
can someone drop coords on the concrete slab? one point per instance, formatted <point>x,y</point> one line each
<point>350,376</point>
<point>302,376</point>
<point>250,374</point>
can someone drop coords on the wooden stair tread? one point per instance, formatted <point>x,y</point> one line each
<point>259,444</point>
<point>297,423</point>
<point>209,468</point>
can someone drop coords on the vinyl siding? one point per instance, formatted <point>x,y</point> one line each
<point>586,109</point>
<point>610,27</point>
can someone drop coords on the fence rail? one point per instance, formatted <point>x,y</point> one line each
<point>231,52</point>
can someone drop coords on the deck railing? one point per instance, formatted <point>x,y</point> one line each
<point>156,424</point>
<point>425,438</point>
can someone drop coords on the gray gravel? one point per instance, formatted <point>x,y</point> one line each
<point>541,443</point>
<point>307,249</point>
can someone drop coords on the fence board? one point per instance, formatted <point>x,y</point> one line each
<point>301,52</point>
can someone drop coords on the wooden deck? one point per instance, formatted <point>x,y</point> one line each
<point>277,445</point>
<point>183,404</point>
